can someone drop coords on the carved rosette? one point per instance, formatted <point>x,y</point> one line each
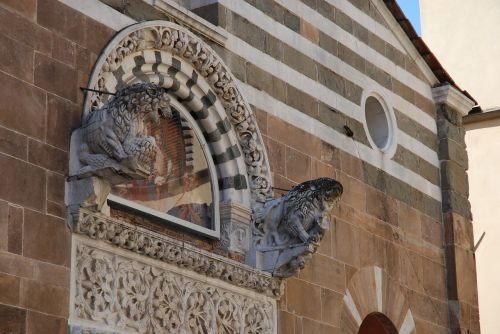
<point>122,294</point>
<point>170,37</point>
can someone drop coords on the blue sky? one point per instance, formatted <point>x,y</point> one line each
<point>412,12</point>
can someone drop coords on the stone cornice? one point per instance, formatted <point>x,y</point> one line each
<point>452,97</point>
<point>189,19</point>
<point>160,247</point>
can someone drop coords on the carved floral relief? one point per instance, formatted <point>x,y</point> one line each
<point>127,295</point>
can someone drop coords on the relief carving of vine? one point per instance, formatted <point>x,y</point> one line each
<point>127,295</point>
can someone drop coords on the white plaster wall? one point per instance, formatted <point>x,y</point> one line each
<point>484,159</point>
<point>464,35</point>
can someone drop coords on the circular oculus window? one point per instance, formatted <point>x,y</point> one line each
<point>378,123</point>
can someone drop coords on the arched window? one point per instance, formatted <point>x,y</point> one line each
<point>377,323</point>
<point>182,188</point>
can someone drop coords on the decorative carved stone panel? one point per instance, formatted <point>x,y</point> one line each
<point>118,292</point>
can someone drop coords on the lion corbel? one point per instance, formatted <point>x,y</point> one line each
<point>111,146</point>
<point>288,230</point>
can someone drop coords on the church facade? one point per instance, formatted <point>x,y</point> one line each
<point>221,166</point>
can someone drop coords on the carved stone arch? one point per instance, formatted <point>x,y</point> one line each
<point>172,57</point>
<point>371,291</point>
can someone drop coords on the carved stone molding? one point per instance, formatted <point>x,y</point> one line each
<point>115,293</point>
<point>181,43</point>
<point>159,247</point>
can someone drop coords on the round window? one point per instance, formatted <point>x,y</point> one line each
<point>377,122</point>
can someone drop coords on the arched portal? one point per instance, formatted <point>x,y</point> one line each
<point>171,56</point>
<point>377,323</point>
<point>374,304</point>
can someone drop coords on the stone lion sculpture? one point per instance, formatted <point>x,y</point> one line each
<point>113,138</point>
<point>288,229</point>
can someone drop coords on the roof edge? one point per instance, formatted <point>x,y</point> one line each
<point>425,53</point>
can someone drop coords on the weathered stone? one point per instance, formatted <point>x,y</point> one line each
<point>396,56</point>
<point>300,62</point>
<point>320,169</point>
<point>297,291</point>
<point>403,90</point>
<point>43,323</point>
<point>380,76</point>
<point>312,326</point>
<point>331,306</point>
<point>326,9</point>
<point>353,92</point>
<point>429,309</point>
<point>309,31</point>
<point>331,80</point>
<point>84,59</point>
<point>448,130</point>
<point>56,77</point>
<point>15,230</point>
<point>454,177</point>
<point>434,279</point>
<point>63,50</point>
<point>52,274</point>
<point>415,130</point>
<point>13,143</point>
<point>326,272</point>
<point>58,17</point>
<point>330,155</point>
<point>277,157</point>
<point>23,107</point>
<point>97,35</point>
<point>371,250</point>
<point>376,43</point>
<point>298,165</point>
<point>17,59</point>
<point>343,21</point>
<point>274,47</point>
<point>360,32</point>
<point>291,20</point>
<point>258,78</point>
<point>12,320</point>
<point>46,238</point>
<point>46,298</point>
<point>451,150</point>
<point>301,101</point>
<point>26,8</point>
<point>409,221</point>
<point>432,230</point>
<point>271,8</point>
<point>374,177</point>
<point>350,57</point>
<point>286,322</point>
<point>17,177</point>
<point>412,67</point>
<point>9,290</point>
<point>425,104</point>
<point>47,156</point>
<point>454,202</point>
<point>458,231</point>
<point>345,242</point>
<point>210,13</point>
<point>24,31</point>
<point>247,31</point>
<point>351,165</point>
<point>62,116</point>
<point>327,43</point>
